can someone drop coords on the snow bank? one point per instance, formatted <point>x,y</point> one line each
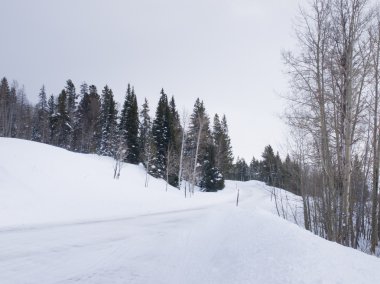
<point>42,184</point>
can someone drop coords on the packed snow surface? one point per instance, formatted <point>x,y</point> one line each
<point>64,219</point>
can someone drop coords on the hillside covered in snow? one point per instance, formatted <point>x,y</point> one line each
<point>64,219</point>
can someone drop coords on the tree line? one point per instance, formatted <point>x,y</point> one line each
<point>178,149</point>
<point>270,169</point>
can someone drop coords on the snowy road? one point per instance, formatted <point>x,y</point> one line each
<point>162,248</point>
<point>220,244</point>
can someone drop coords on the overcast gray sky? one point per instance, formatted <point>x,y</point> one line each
<point>228,53</point>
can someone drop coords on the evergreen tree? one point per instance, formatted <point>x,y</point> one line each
<point>108,139</point>
<point>41,119</point>
<point>198,139</point>
<point>94,133</point>
<point>278,172</point>
<point>145,130</point>
<point>175,128</point>
<point>71,98</point>
<point>52,120</point>
<point>291,175</point>
<point>87,130</point>
<point>241,170</point>
<point>212,179</point>
<point>227,156</point>
<point>269,166</point>
<point>161,136</point>
<point>80,121</point>
<point>63,127</point>
<point>11,114</point>
<point>199,122</point>
<point>223,148</point>
<point>24,110</point>
<point>129,126</point>
<point>4,106</point>
<point>175,131</point>
<point>217,134</point>
<point>254,169</point>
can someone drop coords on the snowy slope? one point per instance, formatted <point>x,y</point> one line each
<point>63,219</point>
<point>42,184</point>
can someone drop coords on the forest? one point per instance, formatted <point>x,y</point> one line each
<point>171,146</point>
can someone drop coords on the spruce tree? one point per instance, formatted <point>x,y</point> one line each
<point>199,122</point>
<point>41,118</point>
<point>218,139</point>
<point>254,169</point>
<point>145,133</point>
<point>278,172</point>
<point>80,121</point>
<point>161,136</point>
<point>11,114</point>
<point>63,127</point>
<point>71,98</point>
<point>212,179</point>
<point>175,128</point>
<point>129,126</point>
<point>87,130</point>
<point>240,170</point>
<point>226,155</point>
<point>108,123</point>
<point>52,119</point>
<point>4,103</point>
<point>198,139</point>
<point>94,118</point>
<point>269,166</point>
<point>24,112</point>
<point>175,131</point>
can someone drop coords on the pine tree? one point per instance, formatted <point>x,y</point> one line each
<point>161,136</point>
<point>278,172</point>
<point>52,120</point>
<point>108,139</point>
<point>64,129</point>
<point>227,157</point>
<point>4,104</point>
<point>80,120</point>
<point>129,126</point>
<point>254,169</point>
<point>94,133</point>
<point>146,143</point>
<point>175,131</point>
<point>223,150</point>
<point>87,130</point>
<point>24,111</point>
<point>41,118</point>
<point>198,139</point>
<point>12,113</point>
<point>291,176</point>
<point>71,103</point>
<point>175,128</point>
<point>240,170</point>
<point>217,134</point>
<point>71,99</point>
<point>212,179</point>
<point>145,130</point>
<point>269,166</point>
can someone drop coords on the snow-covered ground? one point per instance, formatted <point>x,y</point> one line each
<point>64,219</point>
